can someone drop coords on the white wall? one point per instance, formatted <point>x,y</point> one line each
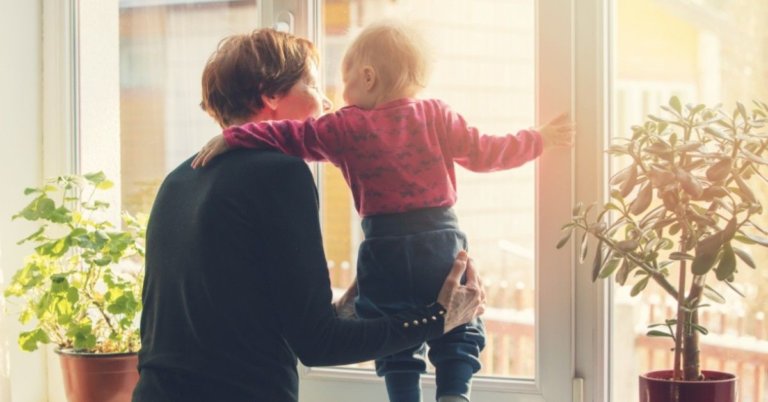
<point>20,167</point>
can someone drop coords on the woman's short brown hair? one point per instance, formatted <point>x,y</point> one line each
<point>245,67</point>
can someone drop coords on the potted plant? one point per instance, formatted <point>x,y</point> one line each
<point>681,215</point>
<point>80,288</point>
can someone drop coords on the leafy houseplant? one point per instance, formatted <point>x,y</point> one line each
<point>75,286</point>
<point>682,214</point>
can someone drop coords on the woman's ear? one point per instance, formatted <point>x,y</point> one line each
<point>270,102</point>
<point>369,77</point>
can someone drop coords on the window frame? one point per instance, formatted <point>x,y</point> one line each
<point>578,37</point>
<point>76,137</point>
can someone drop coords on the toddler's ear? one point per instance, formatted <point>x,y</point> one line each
<point>270,101</point>
<point>369,77</point>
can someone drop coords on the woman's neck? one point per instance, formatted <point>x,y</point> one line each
<point>263,114</point>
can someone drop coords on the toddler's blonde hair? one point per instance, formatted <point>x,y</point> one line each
<point>399,54</point>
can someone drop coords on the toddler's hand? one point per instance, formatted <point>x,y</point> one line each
<point>558,132</point>
<point>217,145</point>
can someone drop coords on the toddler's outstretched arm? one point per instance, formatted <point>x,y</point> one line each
<point>217,145</point>
<point>557,132</point>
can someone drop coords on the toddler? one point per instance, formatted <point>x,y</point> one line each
<point>397,154</point>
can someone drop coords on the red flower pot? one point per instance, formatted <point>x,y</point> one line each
<point>94,377</point>
<point>658,386</point>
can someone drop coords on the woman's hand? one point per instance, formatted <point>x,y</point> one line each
<point>216,146</point>
<point>462,303</point>
<point>345,307</point>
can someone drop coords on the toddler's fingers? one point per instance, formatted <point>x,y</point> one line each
<point>207,158</point>
<point>196,161</point>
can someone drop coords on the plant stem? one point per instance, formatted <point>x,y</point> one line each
<point>657,276</point>
<point>100,309</point>
<point>680,311</point>
<point>691,366</point>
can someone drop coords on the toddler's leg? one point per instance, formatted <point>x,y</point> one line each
<point>455,356</point>
<point>402,374</point>
<point>402,370</point>
<point>403,387</point>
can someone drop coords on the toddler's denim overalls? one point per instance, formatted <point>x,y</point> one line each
<point>402,263</point>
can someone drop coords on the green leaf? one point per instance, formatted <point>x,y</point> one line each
<point>124,304</point>
<point>73,295</point>
<point>742,110</point>
<point>711,294</point>
<point>584,248</point>
<point>564,240</point>
<point>744,239</point>
<point>727,265</point>
<point>730,285</point>
<point>623,273</point>
<point>36,208</point>
<point>59,283</point>
<point>657,333</point>
<point>698,108</point>
<point>763,241</point>
<point>82,336</point>
<point>717,133</point>
<point>105,185</point>
<point>639,286</point>
<point>679,256</point>
<point>703,262</point>
<point>745,256</point>
<point>700,328</point>
<point>28,340</point>
<point>59,247</point>
<point>577,208</point>
<point>60,215</point>
<point>95,178</point>
<point>674,102</point>
<point>37,233</point>
<point>598,261</point>
<point>610,268</point>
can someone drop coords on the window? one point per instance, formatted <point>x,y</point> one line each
<point>494,91</point>
<point>516,57</point>
<point>704,51</point>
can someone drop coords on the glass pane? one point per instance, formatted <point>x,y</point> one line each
<point>164,45</point>
<point>484,53</point>
<point>484,70</point>
<point>703,51</point>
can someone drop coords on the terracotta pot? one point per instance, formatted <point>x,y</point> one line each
<point>90,377</point>
<point>657,386</point>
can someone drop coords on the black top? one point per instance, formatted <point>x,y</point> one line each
<point>237,287</point>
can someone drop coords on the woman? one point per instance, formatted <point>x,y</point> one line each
<point>236,284</point>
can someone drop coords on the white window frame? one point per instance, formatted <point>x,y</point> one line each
<point>573,314</point>
<point>21,145</point>
<point>573,321</point>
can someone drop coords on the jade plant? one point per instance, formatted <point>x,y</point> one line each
<point>80,287</point>
<point>681,214</point>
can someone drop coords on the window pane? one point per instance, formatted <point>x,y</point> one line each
<point>484,53</point>
<point>484,70</point>
<point>703,51</point>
